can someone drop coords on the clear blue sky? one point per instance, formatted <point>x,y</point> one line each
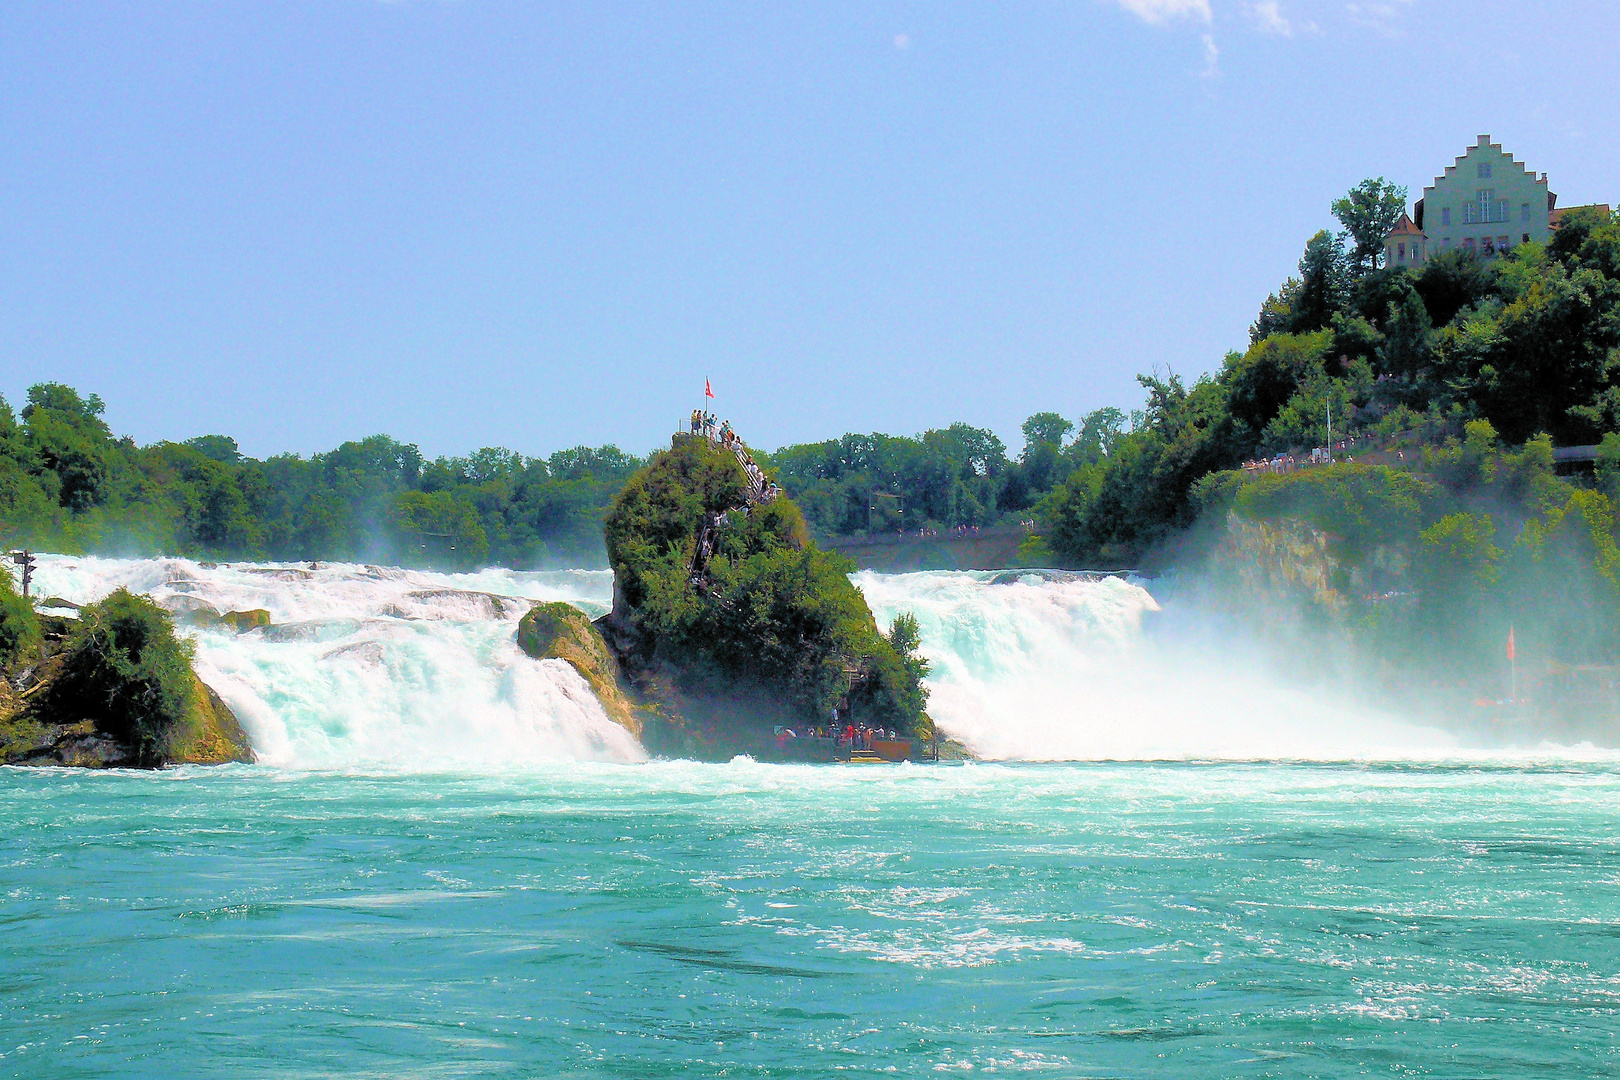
<point>470,223</point>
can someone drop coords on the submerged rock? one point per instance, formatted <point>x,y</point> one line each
<point>488,605</point>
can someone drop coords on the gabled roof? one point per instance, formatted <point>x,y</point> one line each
<point>1405,227</point>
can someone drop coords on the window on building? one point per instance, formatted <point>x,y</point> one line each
<point>1468,244</point>
<point>1400,252</point>
<point>1487,246</point>
<point>1470,213</point>
<point>1524,211</point>
<point>1484,170</point>
<point>1525,239</point>
<point>1487,203</point>
<point>1502,244</point>
<point>1445,215</point>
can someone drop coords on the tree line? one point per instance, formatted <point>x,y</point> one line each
<point>68,484</point>
<point>960,475</point>
<point>1528,341</point>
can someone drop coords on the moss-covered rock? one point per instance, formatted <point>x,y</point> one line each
<point>243,621</point>
<point>208,733</point>
<point>114,688</point>
<point>727,617</point>
<point>197,613</point>
<point>558,631</point>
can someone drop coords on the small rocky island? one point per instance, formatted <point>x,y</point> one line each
<point>729,626</point>
<point>113,687</point>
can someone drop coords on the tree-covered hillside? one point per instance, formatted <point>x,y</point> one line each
<point>68,484</point>
<point>1529,342</point>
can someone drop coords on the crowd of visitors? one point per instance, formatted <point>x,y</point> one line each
<point>704,424</point>
<point>845,737</point>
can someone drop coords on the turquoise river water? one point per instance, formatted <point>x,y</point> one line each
<point>672,919</point>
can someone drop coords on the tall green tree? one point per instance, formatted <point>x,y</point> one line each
<point>1324,284</point>
<point>1368,212</point>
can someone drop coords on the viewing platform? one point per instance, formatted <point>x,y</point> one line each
<point>760,487</point>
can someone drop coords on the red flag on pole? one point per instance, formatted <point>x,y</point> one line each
<point>708,393</point>
<point>1512,653</point>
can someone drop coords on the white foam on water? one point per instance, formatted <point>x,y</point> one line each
<point>377,666</point>
<point>1060,670</point>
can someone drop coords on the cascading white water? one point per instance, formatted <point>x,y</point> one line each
<point>371,666</point>
<point>1059,668</point>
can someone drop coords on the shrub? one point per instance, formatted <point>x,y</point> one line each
<point>127,671</point>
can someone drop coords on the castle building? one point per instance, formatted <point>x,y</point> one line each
<point>1485,204</point>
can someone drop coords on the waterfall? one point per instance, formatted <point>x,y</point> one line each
<point>367,666</point>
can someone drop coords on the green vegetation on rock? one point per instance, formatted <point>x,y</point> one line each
<point>115,687</point>
<point>1425,569</point>
<point>770,616</point>
<point>19,626</point>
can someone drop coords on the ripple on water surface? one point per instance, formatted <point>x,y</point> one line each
<point>679,919</point>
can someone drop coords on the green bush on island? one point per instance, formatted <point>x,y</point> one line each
<point>126,670</point>
<point>771,612</point>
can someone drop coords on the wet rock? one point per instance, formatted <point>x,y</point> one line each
<point>558,631</point>
<point>364,652</point>
<point>491,605</point>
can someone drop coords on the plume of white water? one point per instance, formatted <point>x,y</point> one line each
<point>368,666</point>
<point>1039,669</point>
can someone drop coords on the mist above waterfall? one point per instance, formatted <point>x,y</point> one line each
<point>1077,667</point>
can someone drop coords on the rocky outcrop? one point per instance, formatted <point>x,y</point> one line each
<point>731,626</point>
<point>208,734</point>
<point>558,631</point>
<point>46,720</point>
<point>194,612</point>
